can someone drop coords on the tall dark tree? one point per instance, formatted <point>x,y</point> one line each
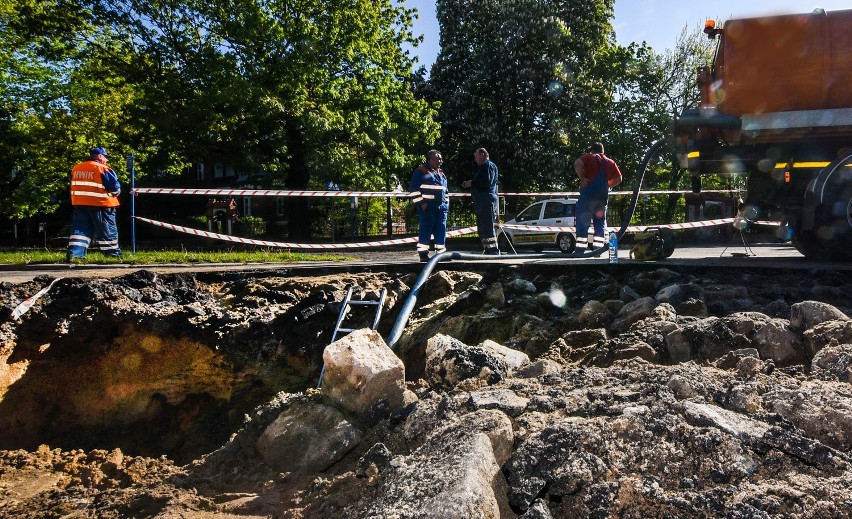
<point>520,78</point>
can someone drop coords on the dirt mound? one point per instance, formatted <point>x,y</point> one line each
<point>649,392</point>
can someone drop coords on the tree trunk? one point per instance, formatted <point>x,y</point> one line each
<point>298,176</point>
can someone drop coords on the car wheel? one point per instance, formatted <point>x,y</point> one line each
<point>566,243</point>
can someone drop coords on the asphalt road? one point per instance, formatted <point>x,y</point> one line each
<point>772,255</point>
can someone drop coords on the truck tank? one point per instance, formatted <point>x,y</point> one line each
<point>776,105</point>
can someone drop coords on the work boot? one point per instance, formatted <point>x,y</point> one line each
<point>424,256</point>
<point>491,252</point>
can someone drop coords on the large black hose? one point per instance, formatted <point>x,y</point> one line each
<point>643,168</point>
<point>411,300</point>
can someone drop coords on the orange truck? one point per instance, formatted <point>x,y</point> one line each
<point>776,105</point>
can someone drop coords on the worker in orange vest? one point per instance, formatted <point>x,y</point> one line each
<point>94,195</point>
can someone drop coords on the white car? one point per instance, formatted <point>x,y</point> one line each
<point>557,212</point>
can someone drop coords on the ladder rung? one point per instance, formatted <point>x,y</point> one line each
<point>370,303</point>
<point>347,330</point>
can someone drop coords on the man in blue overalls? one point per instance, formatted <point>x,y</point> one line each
<point>597,174</point>
<point>430,197</point>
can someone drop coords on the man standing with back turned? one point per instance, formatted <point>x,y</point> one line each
<point>597,174</point>
<point>94,195</point>
<point>483,190</point>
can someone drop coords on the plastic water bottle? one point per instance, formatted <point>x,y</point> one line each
<point>613,247</point>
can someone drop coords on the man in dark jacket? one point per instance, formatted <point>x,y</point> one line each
<point>483,190</point>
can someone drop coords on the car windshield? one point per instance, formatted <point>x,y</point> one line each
<point>558,210</point>
<point>530,213</point>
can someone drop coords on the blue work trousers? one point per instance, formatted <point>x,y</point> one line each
<point>433,222</point>
<point>93,227</point>
<point>592,207</point>
<point>485,208</point>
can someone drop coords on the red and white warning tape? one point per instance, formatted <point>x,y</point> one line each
<point>399,241</point>
<point>558,194</point>
<point>28,303</point>
<point>634,228</point>
<point>274,192</point>
<point>286,245</point>
<point>365,194</point>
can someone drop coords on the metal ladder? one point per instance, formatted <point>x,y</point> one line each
<point>344,309</point>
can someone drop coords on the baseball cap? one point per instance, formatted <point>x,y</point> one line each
<point>99,151</point>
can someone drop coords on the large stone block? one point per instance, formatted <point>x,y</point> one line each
<point>807,314</point>
<point>307,439</point>
<point>450,361</point>
<point>362,371</point>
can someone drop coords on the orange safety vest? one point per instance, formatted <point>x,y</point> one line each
<point>87,187</point>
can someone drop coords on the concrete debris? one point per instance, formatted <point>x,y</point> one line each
<point>517,392</point>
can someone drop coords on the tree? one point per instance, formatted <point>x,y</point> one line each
<point>519,78</point>
<point>295,93</point>
<point>55,103</point>
<point>536,81</point>
<point>303,92</point>
<point>654,89</point>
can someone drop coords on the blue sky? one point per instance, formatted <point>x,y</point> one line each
<point>658,22</point>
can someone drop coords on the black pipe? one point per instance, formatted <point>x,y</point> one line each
<point>408,306</point>
<point>643,168</point>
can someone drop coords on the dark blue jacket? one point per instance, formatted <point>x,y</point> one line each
<point>483,186</point>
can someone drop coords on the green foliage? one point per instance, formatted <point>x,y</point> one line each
<point>290,93</point>
<point>56,102</point>
<point>37,256</point>
<point>300,92</point>
<point>521,78</point>
<point>536,82</point>
<point>295,94</point>
<point>251,226</point>
<point>652,91</point>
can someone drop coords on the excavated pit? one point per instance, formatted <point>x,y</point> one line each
<point>161,365</point>
<point>141,392</point>
<point>655,391</point>
<point>171,364</point>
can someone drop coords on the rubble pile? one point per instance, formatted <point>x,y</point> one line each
<point>635,392</point>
